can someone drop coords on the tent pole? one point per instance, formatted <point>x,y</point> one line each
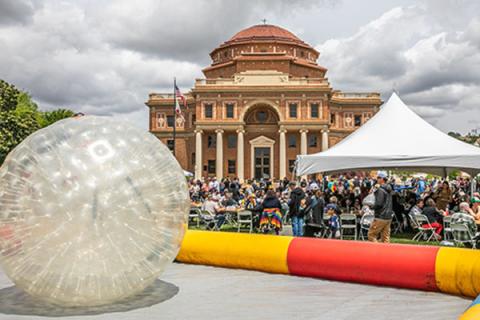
<point>473,182</point>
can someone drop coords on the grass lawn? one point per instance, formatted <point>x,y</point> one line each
<point>402,238</point>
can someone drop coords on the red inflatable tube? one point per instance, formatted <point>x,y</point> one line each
<point>403,266</point>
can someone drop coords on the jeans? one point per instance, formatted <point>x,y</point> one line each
<point>220,218</point>
<point>297,226</point>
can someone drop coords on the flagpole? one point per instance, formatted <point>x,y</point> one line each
<point>174,112</point>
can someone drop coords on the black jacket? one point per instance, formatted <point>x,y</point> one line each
<point>317,211</point>
<point>432,214</point>
<point>383,203</point>
<point>271,202</point>
<point>294,204</point>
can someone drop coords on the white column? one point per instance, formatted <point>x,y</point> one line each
<point>283,154</point>
<point>303,141</point>
<point>324,140</point>
<point>198,154</point>
<point>219,163</point>
<point>240,155</point>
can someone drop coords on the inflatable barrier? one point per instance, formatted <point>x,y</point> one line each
<point>450,270</point>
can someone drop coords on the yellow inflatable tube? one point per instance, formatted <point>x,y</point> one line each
<point>235,250</point>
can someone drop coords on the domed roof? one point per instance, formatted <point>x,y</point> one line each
<point>264,32</point>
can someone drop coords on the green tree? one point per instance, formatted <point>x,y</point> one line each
<point>8,96</point>
<point>20,117</point>
<point>13,129</point>
<point>49,117</point>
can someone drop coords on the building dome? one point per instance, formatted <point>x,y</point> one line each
<point>264,47</point>
<point>264,32</point>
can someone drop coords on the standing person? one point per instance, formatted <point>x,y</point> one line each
<point>443,196</point>
<point>298,221</point>
<point>383,212</point>
<point>333,213</point>
<point>271,213</point>
<point>294,211</point>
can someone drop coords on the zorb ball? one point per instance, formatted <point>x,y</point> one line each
<point>91,211</point>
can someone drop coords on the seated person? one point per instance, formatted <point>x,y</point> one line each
<point>228,201</point>
<point>215,210</point>
<point>464,207</point>
<point>466,219</point>
<point>417,208</point>
<point>434,216</point>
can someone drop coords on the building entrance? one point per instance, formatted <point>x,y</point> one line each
<point>262,163</point>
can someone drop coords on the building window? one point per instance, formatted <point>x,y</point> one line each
<point>209,110</point>
<point>312,141</point>
<point>160,120</point>
<point>261,116</point>
<point>314,110</point>
<point>193,158</point>
<point>194,118</point>
<point>170,144</point>
<point>211,141</point>
<point>231,141</point>
<point>366,116</point>
<point>332,119</point>
<point>348,120</point>
<point>292,110</point>
<point>230,113</point>
<point>291,165</point>
<point>231,166</point>
<point>211,167</point>
<point>292,141</point>
<point>357,120</point>
<point>170,121</point>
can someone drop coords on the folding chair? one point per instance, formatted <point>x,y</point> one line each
<point>396,225</point>
<point>348,221</point>
<point>425,229</point>
<point>365,223</point>
<point>447,230</point>
<point>195,214</point>
<point>245,217</point>
<point>209,220</point>
<point>461,234</point>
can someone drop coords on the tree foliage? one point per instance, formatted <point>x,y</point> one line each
<point>50,117</point>
<point>13,129</point>
<point>20,117</point>
<point>8,96</point>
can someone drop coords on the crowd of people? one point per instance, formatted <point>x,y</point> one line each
<point>314,206</point>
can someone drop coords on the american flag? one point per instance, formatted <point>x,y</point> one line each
<point>178,110</point>
<point>181,96</point>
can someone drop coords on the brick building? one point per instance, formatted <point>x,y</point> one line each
<point>264,100</point>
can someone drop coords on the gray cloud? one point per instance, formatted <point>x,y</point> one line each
<point>17,11</point>
<point>426,53</point>
<point>104,57</point>
<point>165,29</point>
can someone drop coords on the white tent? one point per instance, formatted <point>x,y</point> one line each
<point>395,138</point>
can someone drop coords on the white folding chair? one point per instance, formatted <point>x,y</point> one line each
<point>195,214</point>
<point>459,229</point>
<point>365,223</point>
<point>245,218</point>
<point>447,230</point>
<point>348,222</point>
<point>425,229</point>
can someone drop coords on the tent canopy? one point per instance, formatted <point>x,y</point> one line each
<point>395,138</point>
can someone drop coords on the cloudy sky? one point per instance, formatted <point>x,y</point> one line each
<point>104,57</point>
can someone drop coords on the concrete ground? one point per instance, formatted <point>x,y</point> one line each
<point>201,292</point>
